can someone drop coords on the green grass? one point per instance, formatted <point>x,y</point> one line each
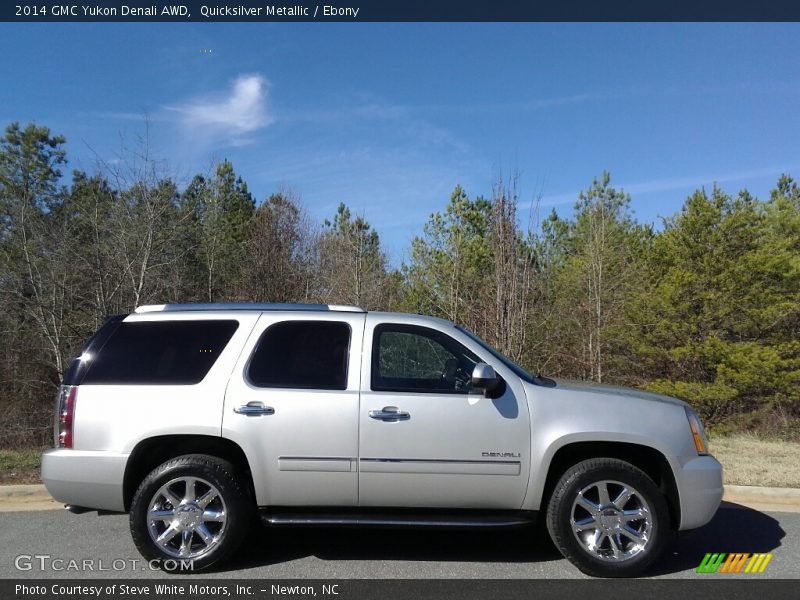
<point>20,466</point>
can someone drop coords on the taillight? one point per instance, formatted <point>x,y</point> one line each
<point>65,415</point>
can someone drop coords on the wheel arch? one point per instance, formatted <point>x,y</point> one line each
<point>647,458</point>
<point>153,451</point>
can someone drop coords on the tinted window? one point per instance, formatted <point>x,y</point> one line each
<point>302,354</point>
<point>160,352</point>
<point>407,358</point>
<point>78,367</point>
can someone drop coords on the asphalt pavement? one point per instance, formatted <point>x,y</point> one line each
<point>375,553</point>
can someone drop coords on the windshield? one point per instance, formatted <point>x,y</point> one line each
<point>519,371</point>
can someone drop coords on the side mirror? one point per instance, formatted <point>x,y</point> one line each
<point>485,378</point>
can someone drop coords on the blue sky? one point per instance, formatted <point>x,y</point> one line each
<point>389,118</point>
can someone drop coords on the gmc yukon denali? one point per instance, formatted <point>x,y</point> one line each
<point>197,419</point>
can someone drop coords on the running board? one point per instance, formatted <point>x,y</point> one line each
<point>468,521</point>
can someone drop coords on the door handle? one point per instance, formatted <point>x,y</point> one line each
<point>389,413</point>
<point>254,409</point>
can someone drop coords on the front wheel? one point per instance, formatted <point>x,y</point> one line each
<point>190,513</point>
<point>608,518</point>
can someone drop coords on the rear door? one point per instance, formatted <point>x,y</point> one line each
<point>160,373</point>
<point>428,440</point>
<point>292,405</point>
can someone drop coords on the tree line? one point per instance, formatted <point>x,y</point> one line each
<point>705,307</point>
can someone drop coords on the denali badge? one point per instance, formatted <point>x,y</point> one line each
<point>501,454</point>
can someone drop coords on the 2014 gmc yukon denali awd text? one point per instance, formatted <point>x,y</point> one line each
<point>197,419</point>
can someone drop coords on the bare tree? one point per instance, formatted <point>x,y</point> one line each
<point>513,271</point>
<point>279,254</point>
<point>145,223</point>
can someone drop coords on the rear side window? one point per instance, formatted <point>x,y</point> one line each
<point>308,355</point>
<point>160,352</point>
<point>78,367</point>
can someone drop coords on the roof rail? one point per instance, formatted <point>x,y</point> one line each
<point>253,306</point>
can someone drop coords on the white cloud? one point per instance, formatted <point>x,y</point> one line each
<point>239,111</point>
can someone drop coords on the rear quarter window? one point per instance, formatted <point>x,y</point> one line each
<point>160,352</point>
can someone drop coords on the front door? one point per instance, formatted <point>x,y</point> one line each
<point>292,406</point>
<point>427,439</point>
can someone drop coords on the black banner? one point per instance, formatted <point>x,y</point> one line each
<point>403,10</point>
<point>399,589</point>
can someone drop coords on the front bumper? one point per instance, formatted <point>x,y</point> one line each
<point>84,478</point>
<point>700,491</point>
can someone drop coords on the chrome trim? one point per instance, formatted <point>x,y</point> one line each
<point>440,467</point>
<point>252,306</point>
<point>441,460</point>
<point>389,413</point>
<point>315,458</point>
<point>328,464</point>
<point>254,409</point>
<point>332,520</point>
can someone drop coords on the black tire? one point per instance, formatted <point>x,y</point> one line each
<point>560,508</point>
<point>239,509</point>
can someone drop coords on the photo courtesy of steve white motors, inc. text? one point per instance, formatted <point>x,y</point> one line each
<point>181,10</point>
<point>163,589</point>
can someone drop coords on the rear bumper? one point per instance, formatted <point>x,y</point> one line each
<point>700,491</point>
<point>87,479</point>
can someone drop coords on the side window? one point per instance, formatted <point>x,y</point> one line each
<point>160,352</point>
<point>308,355</point>
<point>408,358</point>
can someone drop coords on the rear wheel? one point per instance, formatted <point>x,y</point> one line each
<point>608,518</point>
<point>190,513</point>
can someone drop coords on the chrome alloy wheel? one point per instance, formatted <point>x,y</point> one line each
<point>611,520</point>
<point>187,517</point>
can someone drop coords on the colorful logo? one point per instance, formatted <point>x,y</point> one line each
<point>741,562</point>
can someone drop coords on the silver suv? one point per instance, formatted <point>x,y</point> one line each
<point>195,419</point>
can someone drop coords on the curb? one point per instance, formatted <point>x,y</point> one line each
<point>35,497</point>
<point>744,494</point>
<point>20,492</point>
<point>15,498</point>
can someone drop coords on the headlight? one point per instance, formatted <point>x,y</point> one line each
<point>698,434</point>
